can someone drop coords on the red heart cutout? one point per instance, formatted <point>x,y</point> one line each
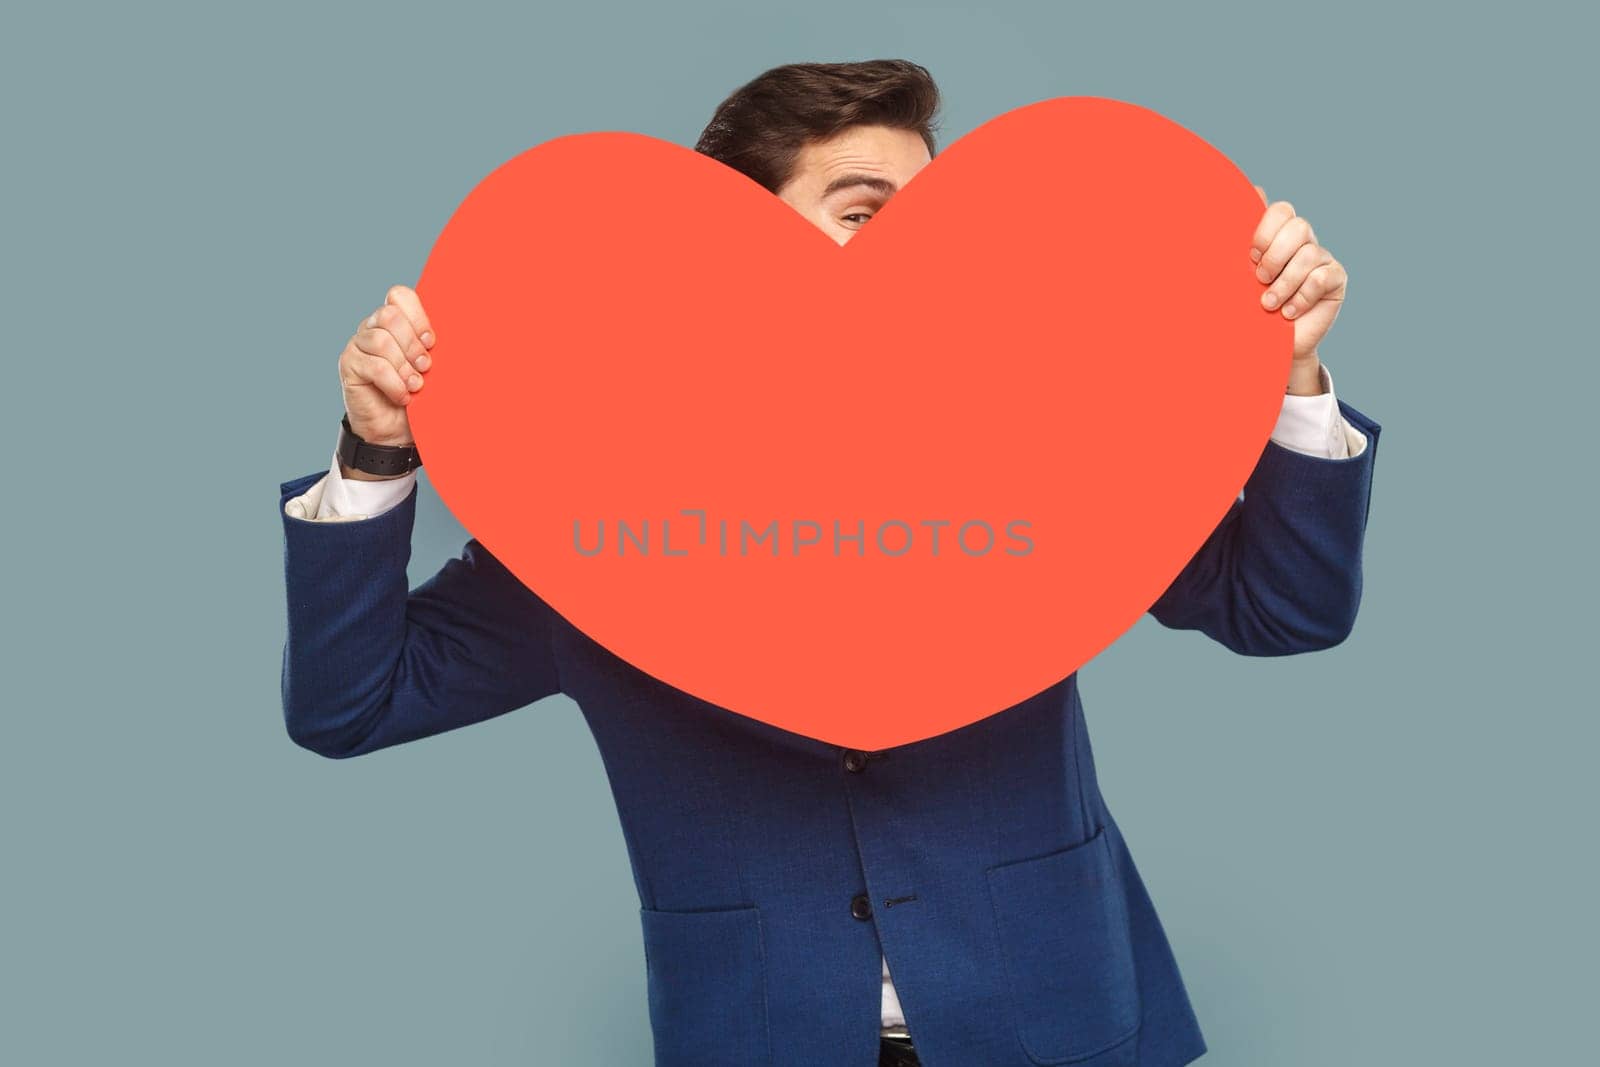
<point>1055,324</point>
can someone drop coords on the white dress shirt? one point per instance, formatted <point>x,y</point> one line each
<point>1310,425</point>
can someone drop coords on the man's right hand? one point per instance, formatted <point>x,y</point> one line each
<point>382,366</point>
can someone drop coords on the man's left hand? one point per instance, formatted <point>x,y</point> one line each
<point>1304,283</point>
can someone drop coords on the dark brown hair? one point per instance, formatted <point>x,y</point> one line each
<point>761,127</point>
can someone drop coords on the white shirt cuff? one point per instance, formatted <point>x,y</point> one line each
<point>1313,426</point>
<point>335,498</point>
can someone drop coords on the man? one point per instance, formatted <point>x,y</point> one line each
<point>965,900</point>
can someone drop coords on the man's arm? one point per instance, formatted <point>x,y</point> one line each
<point>367,663</point>
<point>1282,572</point>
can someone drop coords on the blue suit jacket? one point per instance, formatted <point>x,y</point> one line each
<point>993,877</point>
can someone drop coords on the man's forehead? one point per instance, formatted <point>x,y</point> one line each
<point>886,154</point>
<point>854,162</point>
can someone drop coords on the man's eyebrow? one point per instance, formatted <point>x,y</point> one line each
<point>881,186</point>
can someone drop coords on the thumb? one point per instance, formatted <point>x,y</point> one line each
<point>1262,193</point>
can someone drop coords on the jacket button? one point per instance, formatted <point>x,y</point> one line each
<point>855,762</point>
<point>860,907</point>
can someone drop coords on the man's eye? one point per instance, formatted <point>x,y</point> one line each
<point>858,218</point>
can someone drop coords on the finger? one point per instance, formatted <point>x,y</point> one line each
<point>395,321</point>
<point>1302,263</point>
<point>1325,282</point>
<point>1272,220</point>
<point>381,343</point>
<point>1285,243</point>
<point>1262,193</point>
<point>364,368</point>
<point>406,299</point>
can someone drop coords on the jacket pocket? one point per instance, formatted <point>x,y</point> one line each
<point>708,987</point>
<point>1062,925</point>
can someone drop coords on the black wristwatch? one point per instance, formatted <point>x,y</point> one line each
<point>375,459</point>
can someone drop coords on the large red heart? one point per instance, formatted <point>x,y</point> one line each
<point>1050,341</point>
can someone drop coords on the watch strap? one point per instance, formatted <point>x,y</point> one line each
<point>361,455</point>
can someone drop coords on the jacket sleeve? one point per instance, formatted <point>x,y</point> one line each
<point>368,663</point>
<point>1282,572</point>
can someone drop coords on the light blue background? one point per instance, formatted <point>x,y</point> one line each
<point>1382,854</point>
